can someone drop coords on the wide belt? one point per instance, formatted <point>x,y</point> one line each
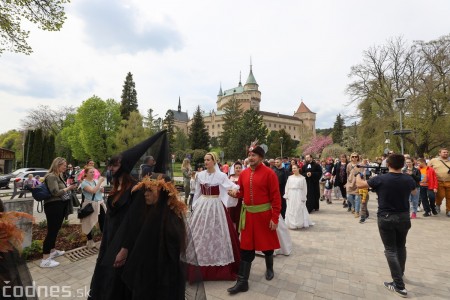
<point>252,209</point>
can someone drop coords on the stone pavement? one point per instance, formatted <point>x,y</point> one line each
<point>338,258</point>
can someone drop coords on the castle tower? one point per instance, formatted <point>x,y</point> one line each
<point>308,118</point>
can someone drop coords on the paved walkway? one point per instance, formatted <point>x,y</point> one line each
<point>338,258</point>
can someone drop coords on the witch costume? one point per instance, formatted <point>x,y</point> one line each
<point>158,236</point>
<point>128,224</point>
<point>14,272</point>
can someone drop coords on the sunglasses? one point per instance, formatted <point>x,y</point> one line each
<point>354,156</point>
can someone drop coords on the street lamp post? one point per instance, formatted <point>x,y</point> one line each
<point>387,141</point>
<point>400,102</point>
<point>281,145</point>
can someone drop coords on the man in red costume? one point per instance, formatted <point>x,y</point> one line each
<point>259,216</point>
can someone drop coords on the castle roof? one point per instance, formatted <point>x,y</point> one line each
<point>303,109</point>
<point>277,115</point>
<point>251,78</point>
<point>236,90</point>
<point>180,115</point>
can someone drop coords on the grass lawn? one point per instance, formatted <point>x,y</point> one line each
<point>177,170</point>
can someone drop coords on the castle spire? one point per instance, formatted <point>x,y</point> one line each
<point>240,75</point>
<point>220,91</point>
<point>251,78</point>
<point>179,103</point>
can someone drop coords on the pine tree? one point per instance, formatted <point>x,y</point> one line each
<point>229,137</point>
<point>29,141</point>
<point>338,130</point>
<point>251,127</point>
<point>36,150</point>
<point>169,124</point>
<point>198,134</point>
<point>129,97</point>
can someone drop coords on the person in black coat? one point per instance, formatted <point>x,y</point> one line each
<point>340,177</point>
<point>312,172</point>
<point>282,175</point>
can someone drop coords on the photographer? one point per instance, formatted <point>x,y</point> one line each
<point>393,190</point>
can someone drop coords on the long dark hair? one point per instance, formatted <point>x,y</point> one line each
<point>120,178</point>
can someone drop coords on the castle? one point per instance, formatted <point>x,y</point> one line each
<point>299,125</point>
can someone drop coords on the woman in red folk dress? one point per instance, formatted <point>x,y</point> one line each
<point>215,238</point>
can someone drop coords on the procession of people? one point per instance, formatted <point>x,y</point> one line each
<point>156,242</point>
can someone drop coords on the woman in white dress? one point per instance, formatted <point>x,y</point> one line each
<point>297,215</point>
<point>215,238</point>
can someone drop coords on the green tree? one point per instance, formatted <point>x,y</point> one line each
<point>420,73</point>
<point>129,97</point>
<point>48,153</point>
<point>229,140</point>
<point>251,127</point>
<point>49,15</point>
<point>152,124</point>
<point>274,141</point>
<point>198,134</point>
<point>130,132</point>
<point>95,126</point>
<point>13,140</point>
<point>35,156</point>
<point>181,141</point>
<point>338,129</point>
<point>333,150</point>
<point>169,124</point>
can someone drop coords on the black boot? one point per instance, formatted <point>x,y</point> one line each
<point>269,267</point>
<point>242,281</point>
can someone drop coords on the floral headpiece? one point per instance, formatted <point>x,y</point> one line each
<point>10,236</point>
<point>148,183</point>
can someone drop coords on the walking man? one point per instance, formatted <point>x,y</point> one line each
<point>282,175</point>
<point>441,166</point>
<point>312,172</point>
<point>259,216</point>
<point>393,190</point>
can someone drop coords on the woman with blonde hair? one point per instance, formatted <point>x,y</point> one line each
<point>187,170</point>
<point>215,238</point>
<point>92,190</point>
<point>56,209</point>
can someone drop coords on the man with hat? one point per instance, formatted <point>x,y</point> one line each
<point>259,216</point>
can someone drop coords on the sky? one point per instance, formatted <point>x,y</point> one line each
<point>300,50</point>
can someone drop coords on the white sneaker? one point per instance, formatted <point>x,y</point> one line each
<point>90,244</point>
<point>48,263</point>
<point>438,208</point>
<point>419,209</point>
<point>56,253</point>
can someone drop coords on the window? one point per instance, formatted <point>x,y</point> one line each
<point>294,136</point>
<point>284,126</point>
<point>212,126</point>
<point>294,127</point>
<point>289,127</point>
<point>207,126</point>
<point>270,125</point>
<point>218,125</point>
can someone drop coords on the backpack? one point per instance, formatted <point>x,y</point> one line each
<point>41,193</point>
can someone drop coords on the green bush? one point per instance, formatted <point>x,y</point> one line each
<point>198,156</point>
<point>34,248</point>
<point>42,224</point>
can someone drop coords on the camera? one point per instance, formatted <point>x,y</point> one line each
<point>376,169</point>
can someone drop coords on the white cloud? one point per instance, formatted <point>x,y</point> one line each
<point>300,50</point>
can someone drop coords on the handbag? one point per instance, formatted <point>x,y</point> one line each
<point>87,210</point>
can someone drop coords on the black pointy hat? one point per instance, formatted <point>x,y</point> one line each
<point>156,145</point>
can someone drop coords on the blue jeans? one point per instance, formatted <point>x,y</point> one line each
<point>414,199</point>
<point>393,230</point>
<point>355,200</point>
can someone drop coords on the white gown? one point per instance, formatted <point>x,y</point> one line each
<point>208,222</point>
<point>284,237</point>
<point>297,215</point>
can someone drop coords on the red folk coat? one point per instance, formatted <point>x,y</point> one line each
<point>259,187</point>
